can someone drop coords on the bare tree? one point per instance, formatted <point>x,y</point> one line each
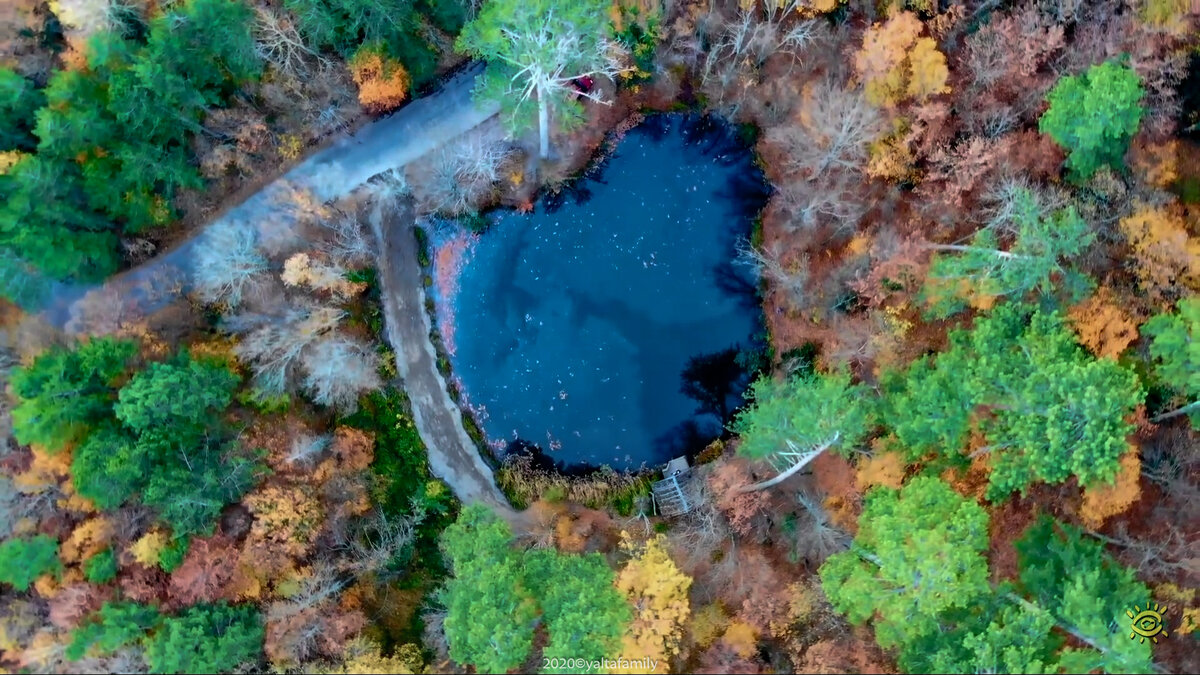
<point>227,263</point>
<point>834,196</point>
<point>278,42</point>
<point>832,131</point>
<point>273,345</point>
<point>461,175</point>
<point>348,243</point>
<point>306,448</point>
<point>380,540</point>
<point>337,369</point>
<point>816,537</point>
<point>736,57</point>
<point>790,280</point>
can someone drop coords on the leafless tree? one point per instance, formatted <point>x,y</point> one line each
<point>1004,202</point>
<point>349,244</point>
<point>816,536</point>
<point>314,590</point>
<point>227,263</point>
<point>273,345</point>
<point>461,175</point>
<point>337,369</point>
<point>306,448</point>
<point>832,198</point>
<point>790,280</point>
<point>380,539</point>
<point>832,131</point>
<point>278,42</point>
<point>735,58</point>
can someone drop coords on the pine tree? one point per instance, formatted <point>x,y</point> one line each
<point>1037,260</point>
<point>919,552</point>
<point>24,559</point>
<point>1175,352</point>
<point>792,422</point>
<point>67,391</point>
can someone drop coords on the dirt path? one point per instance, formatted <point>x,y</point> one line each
<point>453,456</point>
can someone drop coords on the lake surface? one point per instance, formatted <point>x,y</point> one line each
<point>574,324</point>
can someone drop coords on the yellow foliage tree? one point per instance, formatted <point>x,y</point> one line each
<point>366,657</point>
<point>896,64</point>
<point>658,590</point>
<point>927,70</point>
<point>147,548</point>
<point>890,157</point>
<point>1168,260</point>
<point>1104,501</point>
<point>707,624</point>
<point>304,270</point>
<point>45,471</point>
<point>1103,325</point>
<point>741,638</point>
<point>382,81</point>
<point>286,520</point>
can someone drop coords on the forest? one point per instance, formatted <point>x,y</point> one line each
<point>234,439</point>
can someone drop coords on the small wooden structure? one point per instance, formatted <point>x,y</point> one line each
<point>671,494</point>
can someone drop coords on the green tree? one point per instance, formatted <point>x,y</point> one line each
<point>45,221</point>
<point>534,49</point>
<point>186,395</point>
<point>1093,116</point>
<point>1038,256</point>
<point>114,139</point>
<point>102,567</point>
<point>109,466</point>
<point>66,392</point>
<point>490,612</point>
<point>19,100</point>
<point>1048,409</point>
<point>1057,410</point>
<point>206,639</point>
<point>1087,592</point>
<point>926,405</point>
<point>24,559</point>
<point>584,612</point>
<point>998,637</point>
<point>1175,353</point>
<point>792,422</point>
<point>919,553</point>
<point>115,625</point>
<point>193,484</point>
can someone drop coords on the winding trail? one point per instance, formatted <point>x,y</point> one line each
<point>453,456</point>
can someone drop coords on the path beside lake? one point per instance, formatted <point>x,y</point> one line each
<point>453,456</point>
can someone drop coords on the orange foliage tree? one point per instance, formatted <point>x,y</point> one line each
<point>1103,500</point>
<point>382,81</point>
<point>1103,325</point>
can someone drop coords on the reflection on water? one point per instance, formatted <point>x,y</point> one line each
<point>605,327</point>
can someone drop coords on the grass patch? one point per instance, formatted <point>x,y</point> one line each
<point>523,484</point>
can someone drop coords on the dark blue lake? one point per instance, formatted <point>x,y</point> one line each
<point>575,323</point>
